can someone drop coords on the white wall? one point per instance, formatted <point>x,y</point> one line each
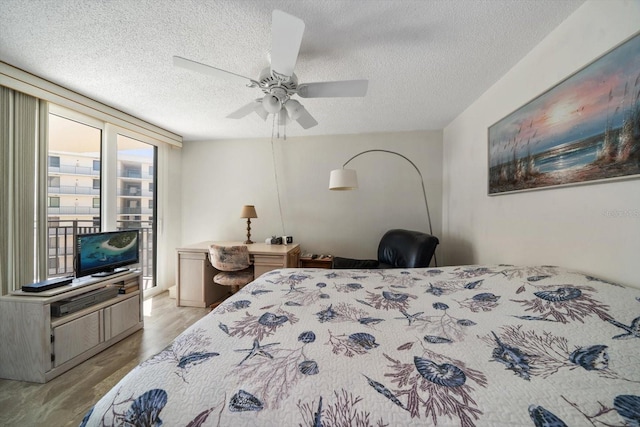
<point>218,177</point>
<point>571,227</point>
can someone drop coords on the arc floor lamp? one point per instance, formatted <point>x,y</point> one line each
<point>347,179</point>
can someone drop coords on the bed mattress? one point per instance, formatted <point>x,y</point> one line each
<point>495,345</point>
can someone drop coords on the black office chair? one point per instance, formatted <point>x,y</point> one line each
<point>397,249</point>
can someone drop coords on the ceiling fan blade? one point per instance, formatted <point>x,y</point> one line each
<point>259,109</point>
<point>209,70</point>
<point>344,88</point>
<point>244,110</point>
<point>306,120</point>
<point>286,37</point>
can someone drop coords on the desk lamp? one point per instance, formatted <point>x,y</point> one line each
<point>248,211</point>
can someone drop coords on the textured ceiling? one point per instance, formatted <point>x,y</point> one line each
<point>426,61</point>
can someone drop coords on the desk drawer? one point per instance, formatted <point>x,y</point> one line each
<point>265,263</point>
<point>275,261</point>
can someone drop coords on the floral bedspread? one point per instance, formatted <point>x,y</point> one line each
<point>455,346</point>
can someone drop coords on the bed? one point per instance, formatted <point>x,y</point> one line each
<point>476,345</point>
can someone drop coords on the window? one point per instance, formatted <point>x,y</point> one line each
<point>54,221</point>
<point>96,221</point>
<point>76,141</point>
<point>136,157</point>
<point>54,161</point>
<point>53,263</point>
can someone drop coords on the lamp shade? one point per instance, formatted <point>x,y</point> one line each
<point>343,179</point>
<point>294,108</point>
<point>248,211</point>
<point>271,103</point>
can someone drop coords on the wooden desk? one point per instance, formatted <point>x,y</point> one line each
<point>194,275</point>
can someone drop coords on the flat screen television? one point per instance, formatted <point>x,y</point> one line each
<point>103,254</point>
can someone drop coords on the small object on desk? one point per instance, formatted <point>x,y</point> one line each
<point>45,285</point>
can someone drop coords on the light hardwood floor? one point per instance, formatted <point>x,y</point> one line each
<point>64,400</point>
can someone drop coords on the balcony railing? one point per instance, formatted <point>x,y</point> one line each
<point>61,246</point>
<point>73,189</point>
<point>73,210</point>
<point>74,170</point>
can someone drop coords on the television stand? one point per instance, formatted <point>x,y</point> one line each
<point>110,272</point>
<point>38,347</point>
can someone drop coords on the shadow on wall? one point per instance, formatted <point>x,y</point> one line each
<point>457,252</point>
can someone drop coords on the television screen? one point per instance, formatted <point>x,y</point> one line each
<point>101,254</point>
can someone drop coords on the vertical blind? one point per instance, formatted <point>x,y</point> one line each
<point>19,140</point>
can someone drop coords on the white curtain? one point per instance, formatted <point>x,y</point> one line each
<point>20,157</point>
<point>6,100</point>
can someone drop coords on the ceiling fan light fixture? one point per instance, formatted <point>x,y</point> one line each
<point>294,108</point>
<point>271,103</point>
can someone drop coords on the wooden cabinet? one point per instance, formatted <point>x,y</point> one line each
<point>37,346</point>
<point>121,316</point>
<point>325,261</point>
<point>194,275</point>
<point>75,337</point>
<point>193,272</point>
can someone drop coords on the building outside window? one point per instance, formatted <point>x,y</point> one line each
<point>75,191</point>
<point>54,181</point>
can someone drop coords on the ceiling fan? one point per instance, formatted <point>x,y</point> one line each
<point>278,82</point>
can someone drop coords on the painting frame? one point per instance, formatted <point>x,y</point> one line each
<point>583,130</point>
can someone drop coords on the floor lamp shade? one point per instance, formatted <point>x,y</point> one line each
<point>343,179</point>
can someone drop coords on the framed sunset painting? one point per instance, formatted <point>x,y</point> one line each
<point>584,129</point>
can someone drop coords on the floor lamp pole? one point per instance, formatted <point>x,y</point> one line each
<point>424,192</point>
